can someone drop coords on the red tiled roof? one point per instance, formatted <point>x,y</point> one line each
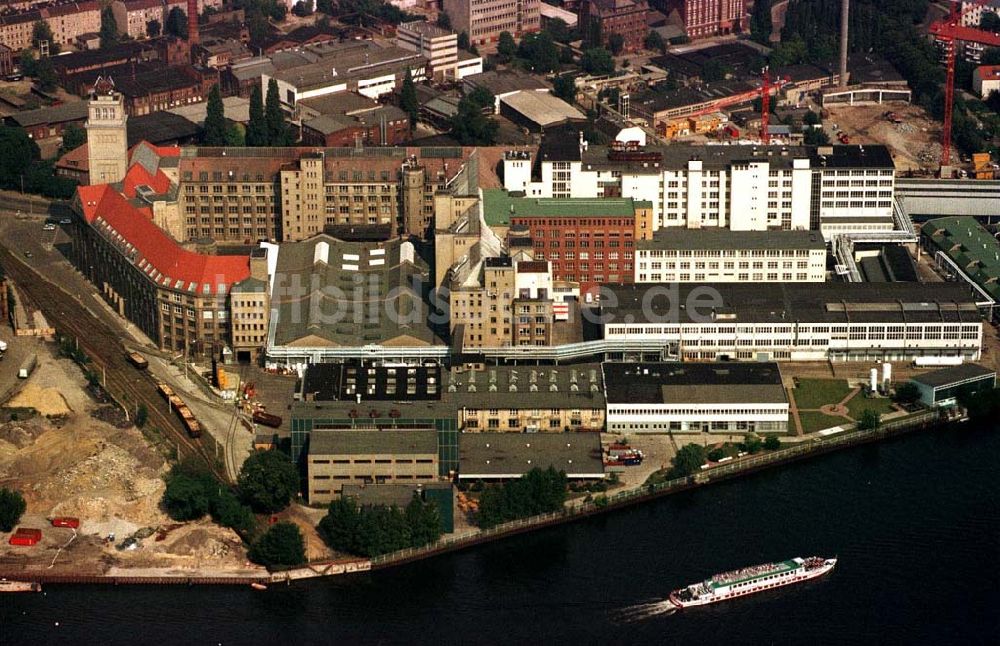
<point>168,264</point>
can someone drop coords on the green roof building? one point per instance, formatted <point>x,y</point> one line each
<point>969,247</point>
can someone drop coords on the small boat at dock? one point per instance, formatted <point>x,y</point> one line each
<point>19,586</point>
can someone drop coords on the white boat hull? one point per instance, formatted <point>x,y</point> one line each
<point>796,577</point>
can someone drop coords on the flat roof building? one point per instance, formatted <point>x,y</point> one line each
<point>722,255</point>
<point>943,387</point>
<point>964,249</point>
<point>539,111</point>
<point>695,398</point>
<point>351,456</point>
<point>505,456</point>
<point>797,321</point>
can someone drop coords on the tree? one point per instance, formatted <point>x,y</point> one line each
<point>340,528</point>
<point>989,22</point>
<point>540,51</point>
<point>713,70</point>
<point>280,547</point>
<point>187,497</point>
<point>870,420</point>
<point>41,31</point>
<point>302,9</point>
<point>772,443</point>
<point>506,47</point>
<point>228,511</point>
<point>470,126</point>
<point>536,492</point>
<point>688,460</point>
<point>816,137</point>
<point>277,130</point>
<point>17,153</point>
<point>257,125</point>
<point>268,481</point>
<point>176,24</point>
<point>27,62</point>
<point>109,28</point>
<point>234,137</point>
<point>73,137</point>
<point>654,41</point>
<point>760,22</point>
<point>616,43</point>
<point>811,118</point>
<point>907,393</point>
<point>141,415</point>
<point>564,87</point>
<point>45,74</point>
<point>444,20</point>
<point>153,28</point>
<point>463,41</point>
<point>789,52</point>
<point>408,100</point>
<point>214,130</point>
<point>12,507</point>
<point>424,522</point>
<point>597,61</point>
<point>559,30</point>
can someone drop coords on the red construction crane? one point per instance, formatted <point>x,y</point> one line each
<point>947,31</point>
<point>767,88</point>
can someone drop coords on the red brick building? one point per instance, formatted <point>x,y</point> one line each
<point>705,18</point>
<point>385,126</point>
<point>625,17</point>
<point>590,250</point>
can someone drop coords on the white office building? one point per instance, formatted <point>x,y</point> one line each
<point>440,47</point>
<point>695,398</point>
<point>834,189</point>
<point>726,256</point>
<point>797,321</point>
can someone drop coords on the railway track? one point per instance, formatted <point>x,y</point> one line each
<point>107,353</point>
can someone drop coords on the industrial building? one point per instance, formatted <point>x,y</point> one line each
<point>695,398</point>
<point>833,189</point>
<point>504,456</point>
<point>798,321</point>
<point>965,251</point>
<point>722,255</point>
<point>354,456</point>
<point>943,387</point>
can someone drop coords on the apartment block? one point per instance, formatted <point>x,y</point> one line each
<point>483,20</point>
<point>250,309</point>
<point>68,20</point>
<point>724,256</point>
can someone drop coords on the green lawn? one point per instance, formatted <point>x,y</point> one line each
<point>814,393</point>
<point>858,404</point>
<point>816,421</point>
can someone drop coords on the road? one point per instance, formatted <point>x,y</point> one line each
<point>47,279</point>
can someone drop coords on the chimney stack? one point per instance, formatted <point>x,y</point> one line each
<point>844,11</point>
<point>192,16</point>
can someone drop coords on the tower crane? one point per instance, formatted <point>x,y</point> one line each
<point>947,31</point>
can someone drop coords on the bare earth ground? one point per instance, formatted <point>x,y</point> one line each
<point>110,478</point>
<point>915,143</point>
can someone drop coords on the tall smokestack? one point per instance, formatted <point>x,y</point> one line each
<point>845,6</point>
<point>192,12</point>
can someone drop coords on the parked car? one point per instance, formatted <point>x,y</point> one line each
<point>48,226</point>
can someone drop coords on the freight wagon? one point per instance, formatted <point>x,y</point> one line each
<point>137,360</point>
<point>267,419</point>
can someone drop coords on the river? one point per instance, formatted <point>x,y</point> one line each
<point>915,522</point>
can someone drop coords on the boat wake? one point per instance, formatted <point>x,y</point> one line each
<point>643,611</point>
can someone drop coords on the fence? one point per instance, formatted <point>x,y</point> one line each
<point>654,490</point>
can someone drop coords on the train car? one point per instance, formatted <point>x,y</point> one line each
<point>165,390</point>
<point>267,419</point>
<point>189,420</point>
<point>137,360</point>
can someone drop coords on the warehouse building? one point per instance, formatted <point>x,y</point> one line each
<point>354,456</point>
<point>695,398</point>
<point>797,321</point>
<point>721,255</point>
<point>504,456</point>
<point>944,387</point>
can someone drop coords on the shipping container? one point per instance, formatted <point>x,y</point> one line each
<point>267,419</point>
<point>66,521</point>
<point>26,537</point>
<point>137,360</point>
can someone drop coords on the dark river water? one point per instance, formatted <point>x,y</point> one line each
<point>915,523</point>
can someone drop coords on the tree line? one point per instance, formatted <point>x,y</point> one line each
<point>537,492</point>
<point>379,529</point>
